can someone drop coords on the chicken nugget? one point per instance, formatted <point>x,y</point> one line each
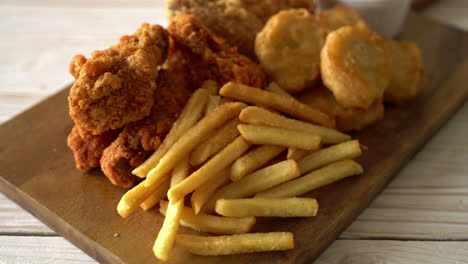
<point>339,16</point>
<point>354,66</point>
<point>288,48</point>
<point>347,119</point>
<point>408,78</point>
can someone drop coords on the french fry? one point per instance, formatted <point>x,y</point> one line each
<point>159,194</point>
<point>318,178</point>
<point>214,143</point>
<point>192,112</point>
<point>256,182</point>
<point>297,154</point>
<point>201,195</point>
<point>209,170</point>
<point>258,116</point>
<point>279,136</point>
<point>254,160</point>
<point>283,104</point>
<point>192,138</point>
<point>236,244</point>
<point>213,102</point>
<point>211,86</point>
<point>166,236</point>
<point>269,207</point>
<point>275,88</point>
<point>135,196</point>
<point>212,224</point>
<point>347,150</point>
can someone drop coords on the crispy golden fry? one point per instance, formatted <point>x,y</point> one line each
<point>212,224</point>
<point>354,66</point>
<point>279,136</point>
<point>409,76</point>
<point>288,48</point>
<point>275,88</point>
<point>215,142</point>
<point>201,195</point>
<point>256,182</point>
<point>166,236</point>
<point>192,138</point>
<point>209,170</point>
<point>213,102</point>
<point>286,105</point>
<point>320,158</point>
<point>192,112</point>
<point>211,86</point>
<point>270,207</point>
<point>258,116</point>
<point>297,154</point>
<point>347,119</point>
<point>339,16</point>
<point>156,196</point>
<point>318,178</point>
<point>236,244</point>
<point>254,160</point>
<point>135,196</point>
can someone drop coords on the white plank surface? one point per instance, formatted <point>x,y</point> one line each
<point>428,200</point>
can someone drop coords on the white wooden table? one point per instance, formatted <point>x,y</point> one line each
<point>421,217</point>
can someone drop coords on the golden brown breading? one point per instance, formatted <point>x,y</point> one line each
<point>288,48</point>
<point>339,16</point>
<point>264,9</point>
<point>347,119</point>
<point>210,57</point>
<point>87,148</point>
<point>139,139</point>
<point>115,86</point>
<point>408,78</point>
<point>227,20</point>
<point>354,66</point>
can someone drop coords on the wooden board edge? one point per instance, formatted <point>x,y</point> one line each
<point>59,225</point>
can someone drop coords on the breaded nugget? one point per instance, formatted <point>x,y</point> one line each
<point>115,86</point>
<point>224,18</point>
<point>354,66</point>
<point>346,119</point>
<point>408,78</point>
<point>264,9</point>
<point>339,16</point>
<point>288,48</point>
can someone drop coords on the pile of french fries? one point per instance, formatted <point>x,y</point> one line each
<point>230,159</point>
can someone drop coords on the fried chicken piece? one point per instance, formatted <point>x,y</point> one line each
<point>139,139</point>
<point>227,20</point>
<point>115,86</point>
<point>408,78</point>
<point>354,66</point>
<point>288,48</point>
<point>347,119</point>
<point>87,148</point>
<point>264,9</point>
<point>210,57</point>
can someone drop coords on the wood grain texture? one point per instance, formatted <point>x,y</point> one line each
<point>65,199</point>
<point>395,252</point>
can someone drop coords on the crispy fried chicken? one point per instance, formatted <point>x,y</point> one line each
<point>115,86</point>
<point>87,148</point>
<point>210,57</point>
<point>139,139</point>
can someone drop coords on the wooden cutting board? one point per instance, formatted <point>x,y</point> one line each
<point>37,170</point>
